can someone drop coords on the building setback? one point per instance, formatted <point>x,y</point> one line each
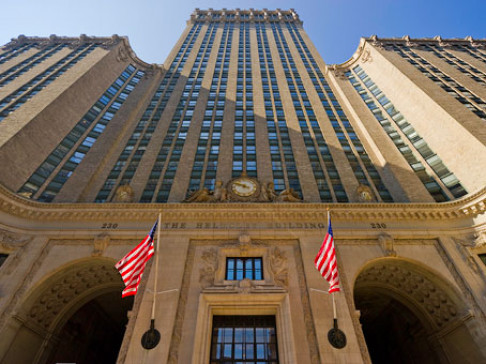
<point>242,140</point>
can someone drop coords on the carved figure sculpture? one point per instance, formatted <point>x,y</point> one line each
<point>288,195</point>
<point>270,189</point>
<point>220,193</point>
<point>200,196</point>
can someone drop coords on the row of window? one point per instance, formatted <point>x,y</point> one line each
<point>471,101</point>
<point>457,63</point>
<point>165,166</point>
<point>63,160</point>
<point>208,146</point>
<point>325,172</point>
<point>244,147</point>
<point>16,51</point>
<point>439,181</point>
<point>18,97</point>
<point>363,169</point>
<point>131,155</point>
<point>283,163</point>
<point>27,64</point>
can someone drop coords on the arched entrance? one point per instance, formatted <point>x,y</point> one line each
<point>410,315</point>
<point>76,315</point>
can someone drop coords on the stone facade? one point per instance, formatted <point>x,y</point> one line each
<point>387,141</point>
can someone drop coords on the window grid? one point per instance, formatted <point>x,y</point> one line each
<point>131,155</point>
<point>14,52</point>
<point>17,98</point>
<point>459,92</point>
<point>19,69</point>
<point>240,268</point>
<point>472,51</point>
<point>206,159</point>
<point>457,63</point>
<point>313,138</point>
<point>283,163</point>
<point>61,162</point>
<point>244,339</point>
<point>244,147</point>
<point>359,160</point>
<point>438,180</point>
<point>170,152</point>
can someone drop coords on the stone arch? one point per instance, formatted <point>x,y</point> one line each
<point>416,310</point>
<point>53,301</point>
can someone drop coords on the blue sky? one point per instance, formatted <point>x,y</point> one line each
<point>154,26</point>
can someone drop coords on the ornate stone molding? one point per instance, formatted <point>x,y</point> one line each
<point>435,302</point>
<point>239,15</point>
<point>387,244</point>
<point>100,243</point>
<point>464,246</point>
<point>468,206</point>
<point>279,267</point>
<point>385,43</point>
<point>14,245</point>
<point>210,263</point>
<point>74,42</point>
<point>68,288</point>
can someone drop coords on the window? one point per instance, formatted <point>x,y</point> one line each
<point>244,268</point>
<point>244,339</point>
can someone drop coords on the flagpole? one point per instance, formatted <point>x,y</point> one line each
<point>336,337</point>
<point>156,265</point>
<point>332,294</point>
<point>151,338</point>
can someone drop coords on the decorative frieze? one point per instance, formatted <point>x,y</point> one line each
<point>469,206</point>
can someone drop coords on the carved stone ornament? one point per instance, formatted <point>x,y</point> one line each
<point>67,288</point>
<point>279,267</point>
<point>419,289</point>
<point>365,194</point>
<point>124,193</point>
<point>243,189</point>
<point>366,57</point>
<point>480,239</point>
<point>464,248</point>
<point>210,265</point>
<point>122,55</point>
<point>244,243</point>
<point>13,245</point>
<point>100,244</point>
<point>387,244</point>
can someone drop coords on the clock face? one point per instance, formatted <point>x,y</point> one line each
<point>243,187</point>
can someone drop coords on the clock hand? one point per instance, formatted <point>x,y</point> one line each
<point>241,184</point>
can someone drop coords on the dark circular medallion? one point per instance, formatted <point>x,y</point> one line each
<point>150,339</point>
<point>337,338</point>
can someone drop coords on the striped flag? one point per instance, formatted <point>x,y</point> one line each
<point>132,265</point>
<point>325,261</point>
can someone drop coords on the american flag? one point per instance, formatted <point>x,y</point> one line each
<point>132,265</point>
<point>325,261</point>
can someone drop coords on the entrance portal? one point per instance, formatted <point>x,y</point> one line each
<point>94,333</point>
<point>76,315</point>
<point>411,315</point>
<point>393,333</point>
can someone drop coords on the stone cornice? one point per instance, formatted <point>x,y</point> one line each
<point>106,42</point>
<point>404,41</point>
<point>245,15</point>
<point>467,207</point>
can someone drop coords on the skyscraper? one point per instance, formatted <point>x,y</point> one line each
<point>242,139</point>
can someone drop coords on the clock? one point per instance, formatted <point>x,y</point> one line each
<point>243,187</point>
